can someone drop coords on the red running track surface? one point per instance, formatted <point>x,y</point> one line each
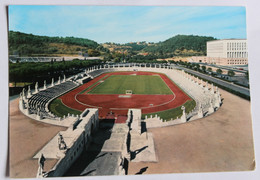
<point>120,105</point>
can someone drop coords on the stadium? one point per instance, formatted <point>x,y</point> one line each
<point>123,100</point>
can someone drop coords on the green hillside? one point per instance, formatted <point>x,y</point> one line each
<point>32,45</point>
<point>181,45</point>
<point>23,44</point>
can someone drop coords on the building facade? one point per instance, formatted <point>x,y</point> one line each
<point>226,52</point>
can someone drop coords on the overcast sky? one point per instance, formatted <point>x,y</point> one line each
<point>122,24</point>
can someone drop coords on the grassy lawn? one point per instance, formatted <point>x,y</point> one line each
<point>139,84</point>
<point>92,85</point>
<point>173,113</point>
<point>59,109</point>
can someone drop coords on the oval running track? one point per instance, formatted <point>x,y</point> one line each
<point>118,105</point>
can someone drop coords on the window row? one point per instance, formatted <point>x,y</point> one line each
<point>236,54</point>
<point>236,46</point>
<point>237,61</point>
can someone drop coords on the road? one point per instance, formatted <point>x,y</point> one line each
<point>229,85</point>
<point>227,67</point>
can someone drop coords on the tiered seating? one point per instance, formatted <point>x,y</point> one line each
<point>100,71</point>
<point>39,101</point>
<point>197,92</point>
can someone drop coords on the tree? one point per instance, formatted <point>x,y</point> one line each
<point>219,71</point>
<point>197,67</point>
<point>181,44</point>
<point>231,73</point>
<point>209,69</point>
<point>93,52</point>
<point>192,65</point>
<point>22,72</point>
<point>28,44</point>
<point>247,75</point>
<point>117,60</point>
<point>203,68</point>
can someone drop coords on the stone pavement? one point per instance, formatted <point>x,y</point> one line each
<point>222,141</point>
<point>110,140</point>
<point>142,147</point>
<point>26,138</point>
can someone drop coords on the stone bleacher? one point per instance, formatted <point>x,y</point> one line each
<point>38,102</point>
<point>98,72</point>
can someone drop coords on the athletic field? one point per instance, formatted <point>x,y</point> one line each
<point>153,93</point>
<point>139,84</point>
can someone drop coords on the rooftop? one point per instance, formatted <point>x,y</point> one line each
<point>226,40</point>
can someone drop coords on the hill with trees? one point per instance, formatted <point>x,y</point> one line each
<point>23,44</point>
<point>181,45</point>
<point>127,47</point>
<point>34,45</point>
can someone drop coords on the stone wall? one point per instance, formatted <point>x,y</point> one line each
<point>77,138</point>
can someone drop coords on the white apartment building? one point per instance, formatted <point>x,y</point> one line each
<point>227,52</point>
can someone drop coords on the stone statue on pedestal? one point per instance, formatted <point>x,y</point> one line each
<point>211,108</point>
<point>41,166</point>
<point>61,142</point>
<point>23,93</point>
<point>200,111</point>
<point>212,89</point>
<point>183,117</point>
<point>59,80</point>
<point>29,92</point>
<point>44,85</point>
<point>52,82</point>
<point>36,87</point>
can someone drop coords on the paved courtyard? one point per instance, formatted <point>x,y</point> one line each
<point>27,137</point>
<point>220,142</point>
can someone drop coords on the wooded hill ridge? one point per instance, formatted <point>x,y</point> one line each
<point>35,45</point>
<point>29,44</point>
<point>181,43</point>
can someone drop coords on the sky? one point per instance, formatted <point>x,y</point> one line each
<point>122,24</point>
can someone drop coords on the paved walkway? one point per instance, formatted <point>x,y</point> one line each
<point>220,142</point>
<point>142,148</point>
<point>27,137</point>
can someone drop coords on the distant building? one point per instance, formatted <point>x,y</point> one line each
<point>227,52</point>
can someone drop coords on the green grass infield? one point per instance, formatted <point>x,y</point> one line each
<point>173,113</point>
<point>139,84</point>
<point>59,109</point>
